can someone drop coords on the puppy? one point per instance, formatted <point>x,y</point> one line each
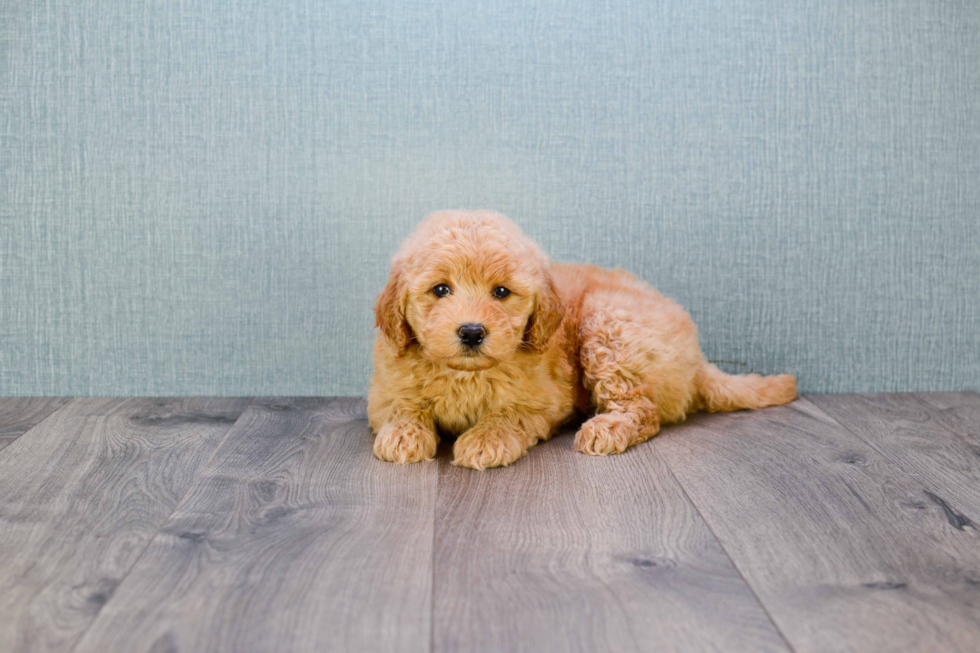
<point>482,337</point>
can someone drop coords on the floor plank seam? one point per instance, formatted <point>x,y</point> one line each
<point>865,441</point>
<point>955,518</point>
<point>881,452</point>
<point>432,553</point>
<point>156,533</point>
<point>728,555</point>
<point>46,418</point>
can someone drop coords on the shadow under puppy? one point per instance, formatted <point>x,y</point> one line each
<point>482,337</point>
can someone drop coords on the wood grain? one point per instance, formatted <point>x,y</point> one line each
<point>568,552</point>
<point>843,547</point>
<point>81,495</point>
<point>959,414</point>
<point>20,414</point>
<point>294,538</point>
<point>934,438</point>
<point>157,525</point>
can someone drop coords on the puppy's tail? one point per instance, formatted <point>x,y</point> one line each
<point>719,392</point>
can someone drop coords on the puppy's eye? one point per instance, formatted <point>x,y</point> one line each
<point>441,290</point>
<point>500,292</point>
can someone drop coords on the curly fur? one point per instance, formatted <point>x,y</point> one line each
<point>569,338</point>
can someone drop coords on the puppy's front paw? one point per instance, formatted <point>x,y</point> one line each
<point>612,432</point>
<point>479,449</point>
<point>405,442</point>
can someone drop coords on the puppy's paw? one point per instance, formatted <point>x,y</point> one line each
<point>613,432</point>
<point>405,442</point>
<point>479,449</point>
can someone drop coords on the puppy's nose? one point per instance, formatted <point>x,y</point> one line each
<point>472,335</point>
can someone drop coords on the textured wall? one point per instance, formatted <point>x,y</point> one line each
<point>200,197</point>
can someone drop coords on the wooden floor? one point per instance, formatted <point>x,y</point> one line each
<point>837,523</point>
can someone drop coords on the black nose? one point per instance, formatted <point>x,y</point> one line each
<point>472,334</point>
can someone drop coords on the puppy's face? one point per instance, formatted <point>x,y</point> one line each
<point>469,290</point>
<point>469,319</point>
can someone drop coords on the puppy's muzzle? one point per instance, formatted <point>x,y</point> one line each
<point>471,335</point>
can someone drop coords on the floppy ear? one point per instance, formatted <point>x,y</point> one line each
<point>389,312</point>
<point>547,315</point>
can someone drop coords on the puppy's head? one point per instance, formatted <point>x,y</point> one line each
<point>468,289</point>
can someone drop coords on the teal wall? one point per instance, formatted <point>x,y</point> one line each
<point>200,197</point>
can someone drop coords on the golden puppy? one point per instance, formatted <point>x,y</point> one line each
<point>482,337</point>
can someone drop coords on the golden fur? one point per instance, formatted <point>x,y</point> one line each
<point>568,338</point>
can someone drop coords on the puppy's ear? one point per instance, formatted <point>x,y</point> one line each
<point>389,312</point>
<point>547,315</point>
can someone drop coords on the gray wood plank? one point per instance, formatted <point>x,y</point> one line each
<point>935,438</point>
<point>81,495</point>
<point>844,549</point>
<point>19,414</point>
<point>567,552</point>
<point>294,538</point>
<point>958,413</point>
